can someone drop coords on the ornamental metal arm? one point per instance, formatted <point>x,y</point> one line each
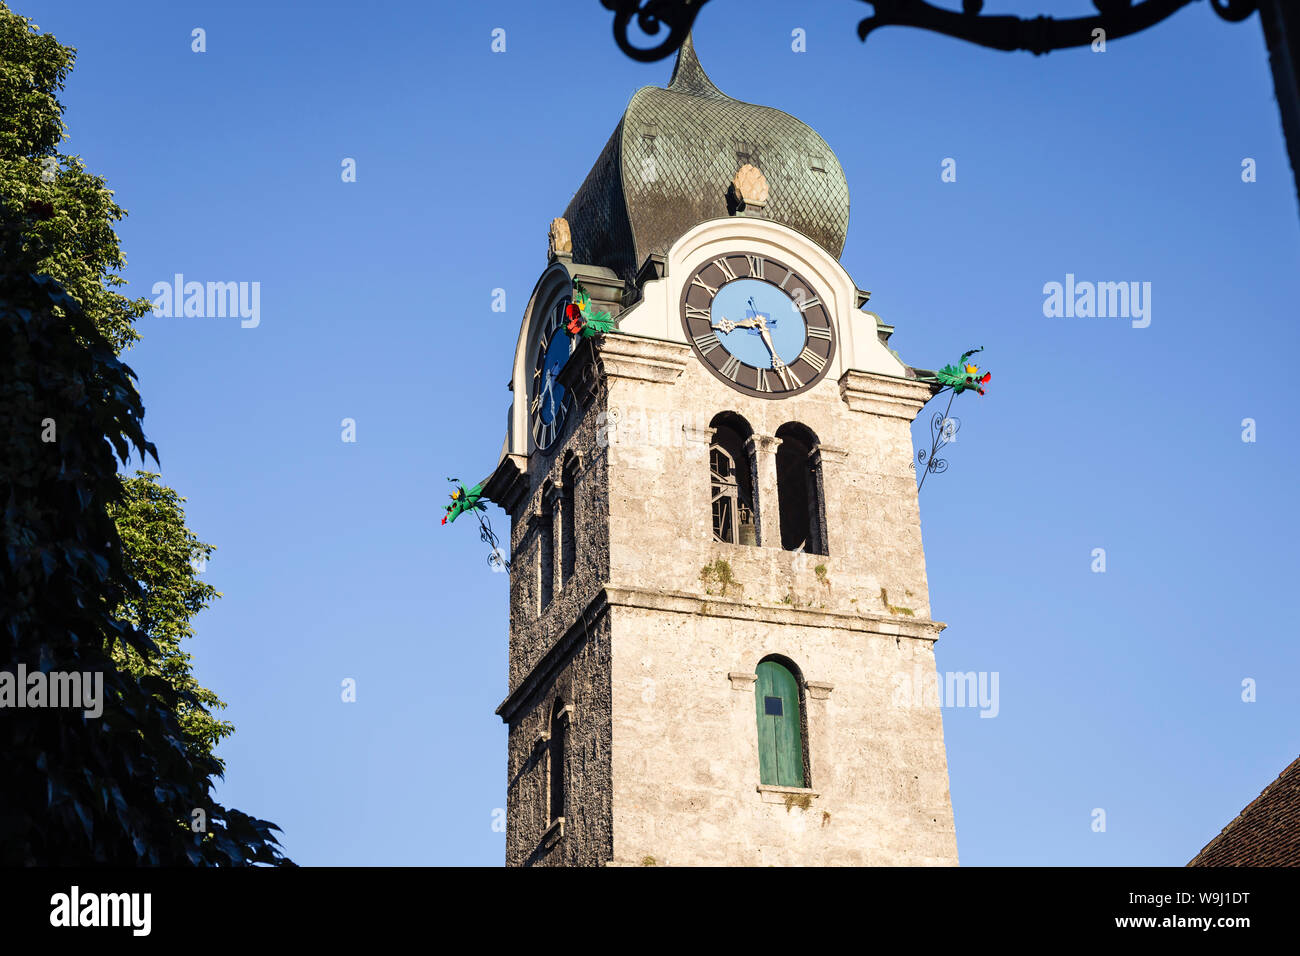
<point>1116,18</point>
<point>677,15</point>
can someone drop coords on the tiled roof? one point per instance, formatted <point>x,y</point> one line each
<point>670,163</point>
<point>1266,833</point>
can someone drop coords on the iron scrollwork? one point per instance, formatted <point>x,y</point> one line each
<point>1041,34</point>
<point>1116,18</point>
<point>651,15</point>
<point>496,557</point>
<point>1038,35</point>
<point>943,429</point>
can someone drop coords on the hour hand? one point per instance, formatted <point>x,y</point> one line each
<point>725,325</point>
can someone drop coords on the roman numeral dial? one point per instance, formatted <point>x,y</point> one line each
<point>757,324</point>
<point>548,403</point>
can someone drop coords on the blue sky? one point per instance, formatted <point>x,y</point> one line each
<point>1118,690</point>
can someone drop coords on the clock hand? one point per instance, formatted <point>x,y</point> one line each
<point>768,321</point>
<point>767,340</point>
<point>546,392</point>
<point>760,322</point>
<point>726,325</point>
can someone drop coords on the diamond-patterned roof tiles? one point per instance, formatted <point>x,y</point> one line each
<point>670,162</point>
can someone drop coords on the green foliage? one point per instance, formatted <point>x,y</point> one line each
<point>75,242</point>
<point>120,788</point>
<point>719,572</point>
<point>159,552</point>
<point>893,609</point>
<point>801,800</point>
<point>94,568</point>
<point>65,219</point>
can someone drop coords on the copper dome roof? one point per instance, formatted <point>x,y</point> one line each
<point>671,160</point>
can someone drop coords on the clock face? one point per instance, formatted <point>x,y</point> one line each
<point>758,325</point>
<point>548,402</point>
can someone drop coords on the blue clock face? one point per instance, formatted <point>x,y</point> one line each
<point>548,400</point>
<point>749,308</point>
<point>551,391</point>
<point>758,325</point>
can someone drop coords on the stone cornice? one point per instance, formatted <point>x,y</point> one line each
<point>883,394</point>
<point>680,602</point>
<point>712,606</point>
<point>553,659</point>
<point>508,484</point>
<point>642,359</point>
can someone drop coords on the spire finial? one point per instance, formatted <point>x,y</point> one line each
<point>689,76</point>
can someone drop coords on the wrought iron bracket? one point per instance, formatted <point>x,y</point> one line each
<point>1117,18</point>
<point>943,429</point>
<point>651,16</point>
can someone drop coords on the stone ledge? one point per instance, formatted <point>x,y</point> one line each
<point>507,486</point>
<point>553,834</point>
<point>818,690</point>
<point>614,595</point>
<point>790,796</point>
<point>550,663</point>
<point>642,359</point>
<point>683,603</point>
<point>883,394</point>
<point>741,681</point>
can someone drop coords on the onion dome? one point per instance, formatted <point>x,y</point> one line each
<point>671,162</point>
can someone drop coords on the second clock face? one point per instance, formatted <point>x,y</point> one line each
<point>548,402</point>
<point>758,325</point>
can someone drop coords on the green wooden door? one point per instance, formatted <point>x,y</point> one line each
<point>780,731</point>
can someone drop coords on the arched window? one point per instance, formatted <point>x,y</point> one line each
<point>546,548</point>
<point>731,482</point>
<point>778,701</point>
<point>799,490</point>
<point>555,760</point>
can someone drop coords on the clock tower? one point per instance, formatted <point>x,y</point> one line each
<point>718,599</point>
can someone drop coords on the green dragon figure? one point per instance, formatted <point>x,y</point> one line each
<point>962,376</point>
<point>583,319</point>
<point>463,500</point>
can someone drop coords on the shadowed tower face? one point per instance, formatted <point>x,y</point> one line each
<point>721,649</point>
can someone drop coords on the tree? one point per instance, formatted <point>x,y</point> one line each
<point>73,241</point>
<point>79,246</point>
<point>160,553</point>
<point>89,580</point>
<point>121,785</point>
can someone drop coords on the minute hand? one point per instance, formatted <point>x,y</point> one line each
<point>766,336</point>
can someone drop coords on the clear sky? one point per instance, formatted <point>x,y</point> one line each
<point>1119,690</point>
